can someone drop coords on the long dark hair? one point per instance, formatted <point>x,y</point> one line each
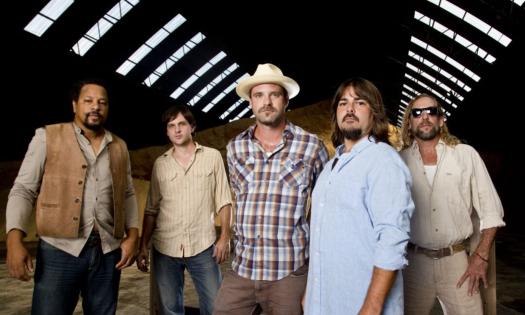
<point>369,92</point>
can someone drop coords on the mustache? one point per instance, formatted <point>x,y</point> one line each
<point>95,113</point>
<point>267,108</point>
<point>354,117</point>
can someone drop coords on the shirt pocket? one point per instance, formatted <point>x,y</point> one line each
<point>202,180</point>
<point>293,173</point>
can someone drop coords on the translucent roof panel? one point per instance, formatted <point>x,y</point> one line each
<point>103,25</point>
<point>151,43</point>
<point>211,85</point>
<point>473,20</point>
<point>231,108</point>
<point>480,52</point>
<point>223,94</point>
<point>174,58</point>
<point>427,87</point>
<point>446,58</point>
<point>518,2</point>
<point>47,16</point>
<point>241,114</point>
<point>434,80</point>
<point>199,73</point>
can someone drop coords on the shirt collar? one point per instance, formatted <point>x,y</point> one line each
<point>361,145</point>
<point>288,132</point>
<point>107,135</point>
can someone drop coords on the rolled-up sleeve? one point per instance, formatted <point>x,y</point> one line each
<point>485,198</point>
<point>223,195</point>
<point>154,196</point>
<point>27,184</point>
<point>130,203</point>
<point>391,208</point>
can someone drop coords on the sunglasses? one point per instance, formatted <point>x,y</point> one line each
<point>431,111</point>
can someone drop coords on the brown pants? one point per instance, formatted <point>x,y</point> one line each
<point>241,296</point>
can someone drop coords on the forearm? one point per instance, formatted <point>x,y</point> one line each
<point>147,230</point>
<point>380,285</point>
<point>486,240</point>
<point>225,216</point>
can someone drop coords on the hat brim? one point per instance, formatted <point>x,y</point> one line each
<point>244,87</point>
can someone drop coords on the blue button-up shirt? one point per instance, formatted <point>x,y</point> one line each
<point>361,209</point>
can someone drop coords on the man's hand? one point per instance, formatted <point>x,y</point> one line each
<point>143,259</point>
<point>476,270</point>
<point>19,262</point>
<point>222,249</point>
<point>129,247</point>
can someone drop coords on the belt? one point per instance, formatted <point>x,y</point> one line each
<point>439,253</point>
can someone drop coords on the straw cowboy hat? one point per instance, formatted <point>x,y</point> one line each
<point>267,73</point>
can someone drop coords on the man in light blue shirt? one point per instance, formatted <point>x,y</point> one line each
<point>361,209</point>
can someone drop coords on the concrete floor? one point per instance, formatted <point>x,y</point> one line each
<point>15,296</point>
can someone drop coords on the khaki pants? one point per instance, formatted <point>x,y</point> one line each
<point>241,296</point>
<point>426,279</point>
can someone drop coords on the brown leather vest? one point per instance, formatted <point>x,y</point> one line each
<point>61,193</point>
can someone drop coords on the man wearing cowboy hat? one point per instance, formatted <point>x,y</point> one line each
<point>273,166</point>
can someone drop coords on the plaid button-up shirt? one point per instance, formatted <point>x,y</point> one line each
<point>272,190</point>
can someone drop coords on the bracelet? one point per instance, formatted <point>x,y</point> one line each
<point>482,258</point>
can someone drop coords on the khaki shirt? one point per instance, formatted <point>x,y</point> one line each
<point>185,201</point>
<point>461,185</point>
<point>97,203</point>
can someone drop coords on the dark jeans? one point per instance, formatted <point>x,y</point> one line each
<point>61,277</point>
<point>169,276</point>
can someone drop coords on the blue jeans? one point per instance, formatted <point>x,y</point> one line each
<point>169,276</point>
<point>61,277</point>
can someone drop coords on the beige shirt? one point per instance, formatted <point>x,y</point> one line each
<point>443,210</point>
<point>97,203</point>
<point>185,201</point>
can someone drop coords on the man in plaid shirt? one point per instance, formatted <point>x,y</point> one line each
<point>273,166</point>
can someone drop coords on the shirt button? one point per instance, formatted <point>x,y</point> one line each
<point>77,200</point>
<point>321,204</point>
<point>437,230</point>
<point>434,209</point>
<point>75,218</point>
<point>84,166</point>
<point>80,182</point>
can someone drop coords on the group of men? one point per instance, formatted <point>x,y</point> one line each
<point>310,234</point>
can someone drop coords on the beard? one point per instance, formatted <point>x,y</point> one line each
<point>429,135</point>
<point>352,133</point>
<point>95,126</point>
<point>269,120</point>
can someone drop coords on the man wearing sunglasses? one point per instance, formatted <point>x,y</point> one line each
<point>450,184</point>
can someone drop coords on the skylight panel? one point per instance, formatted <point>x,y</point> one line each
<point>474,21</point>
<point>518,2</point>
<point>223,94</point>
<point>151,43</point>
<point>440,71</point>
<point>446,58</point>
<point>434,80</point>
<point>231,108</point>
<point>241,114</point>
<point>219,97</point>
<point>211,85</point>
<point>199,73</point>
<point>176,56</point>
<point>436,93</point>
<point>47,16</point>
<point>455,36</point>
<point>103,25</point>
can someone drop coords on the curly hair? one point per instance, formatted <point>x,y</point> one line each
<point>369,92</point>
<point>406,133</point>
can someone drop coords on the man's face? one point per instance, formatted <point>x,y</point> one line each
<point>268,103</point>
<point>91,108</point>
<point>354,116</point>
<point>427,124</point>
<point>179,131</point>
